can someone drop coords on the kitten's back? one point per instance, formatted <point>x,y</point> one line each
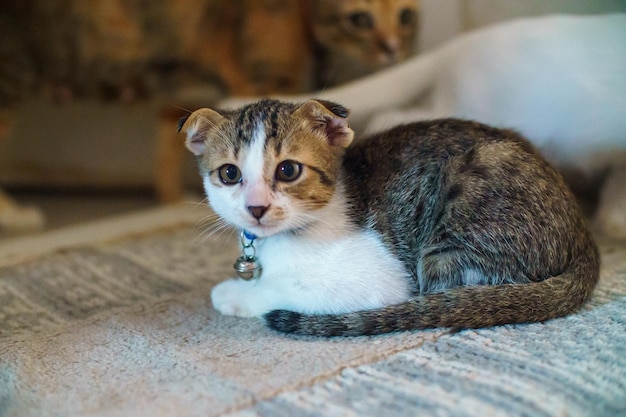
<point>487,229</point>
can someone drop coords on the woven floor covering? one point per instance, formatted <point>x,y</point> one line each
<point>125,328</point>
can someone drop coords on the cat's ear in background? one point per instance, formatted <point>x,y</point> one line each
<point>197,127</point>
<point>329,117</point>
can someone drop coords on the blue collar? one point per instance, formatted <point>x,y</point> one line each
<point>250,236</point>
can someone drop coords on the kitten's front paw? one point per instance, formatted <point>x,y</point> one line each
<point>231,299</point>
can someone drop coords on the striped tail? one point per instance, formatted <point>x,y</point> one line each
<point>461,307</point>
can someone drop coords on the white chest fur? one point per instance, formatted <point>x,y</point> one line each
<point>301,273</point>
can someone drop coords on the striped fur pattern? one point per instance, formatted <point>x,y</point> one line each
<point>444,223</point>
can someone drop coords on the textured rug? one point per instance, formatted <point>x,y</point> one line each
<point>122,326</point>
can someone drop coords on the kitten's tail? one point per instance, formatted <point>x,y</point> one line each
<point>462,307</point>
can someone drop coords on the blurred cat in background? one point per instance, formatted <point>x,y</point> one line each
<point>126,48</point>
<point>356,38</point>
<point>131,49</point>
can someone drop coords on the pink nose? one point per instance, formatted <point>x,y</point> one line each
<point>257,211</point>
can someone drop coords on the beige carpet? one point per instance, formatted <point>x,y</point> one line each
<point>114,319</point>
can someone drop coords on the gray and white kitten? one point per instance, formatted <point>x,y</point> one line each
<point>444,223</point>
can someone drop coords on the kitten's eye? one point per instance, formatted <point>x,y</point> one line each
<point>361,20</point>
<point>288,171</point>
<point>229,174</point>
<point>407,17</point>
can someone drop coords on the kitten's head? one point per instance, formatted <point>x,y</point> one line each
<point>374,33</point>
<point>270,166</point>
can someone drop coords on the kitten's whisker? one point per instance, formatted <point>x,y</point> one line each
<point>216,130</point>
<point>198,204</point>
<point>308,222</point>
<point>215,230</point>
<point>209,216</point>
<point>309,217</point>
<point>212,222</point>
<point>180,108</point>
<point>207,223</point>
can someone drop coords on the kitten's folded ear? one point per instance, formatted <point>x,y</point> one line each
<point>329,117</point>
<point>197,127</point>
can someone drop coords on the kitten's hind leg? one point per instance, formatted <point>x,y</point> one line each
<point>443,268</point>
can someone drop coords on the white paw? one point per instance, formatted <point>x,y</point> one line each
<point>235,297</point>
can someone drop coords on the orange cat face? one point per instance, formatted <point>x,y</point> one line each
<point>373,32</point>
<point>270,166</point>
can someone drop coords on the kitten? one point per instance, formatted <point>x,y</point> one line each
<point>558,80</point>
<point>439,223</point>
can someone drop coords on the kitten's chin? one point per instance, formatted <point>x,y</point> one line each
<point>264,230</point>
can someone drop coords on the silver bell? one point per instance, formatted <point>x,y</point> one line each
<point>248,267</point>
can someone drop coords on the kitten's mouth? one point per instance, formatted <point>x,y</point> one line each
<point>267,230</point>
<point>263,230</point>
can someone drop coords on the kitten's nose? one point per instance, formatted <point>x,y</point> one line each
<point>257,211</point>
